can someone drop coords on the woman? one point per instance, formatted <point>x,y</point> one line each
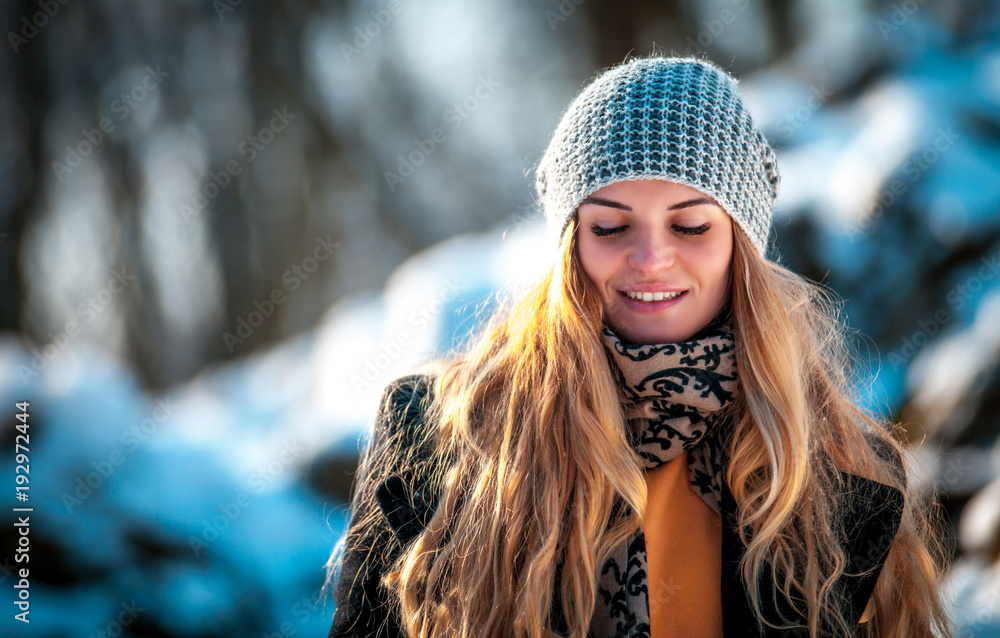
<point>656,440</point>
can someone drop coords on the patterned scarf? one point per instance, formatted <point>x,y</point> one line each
<point>674,393</point>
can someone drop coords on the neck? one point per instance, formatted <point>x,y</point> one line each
<point>718,325</point>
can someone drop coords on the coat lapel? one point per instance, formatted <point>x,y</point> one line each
<point>872,515</point>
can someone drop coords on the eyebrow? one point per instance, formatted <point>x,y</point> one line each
<point>613,204</point>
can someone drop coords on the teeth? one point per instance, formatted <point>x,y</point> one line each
<point>653,296</point>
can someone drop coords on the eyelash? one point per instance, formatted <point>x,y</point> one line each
<point>608,232</point>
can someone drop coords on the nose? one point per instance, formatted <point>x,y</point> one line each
<point>652,253</point>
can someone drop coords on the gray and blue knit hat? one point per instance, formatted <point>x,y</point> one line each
<point>677,119</point>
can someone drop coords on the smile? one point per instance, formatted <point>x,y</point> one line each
<point>653,296</point>
<point>651,302</point>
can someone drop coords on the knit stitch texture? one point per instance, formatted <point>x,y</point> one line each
<point>677,119</point>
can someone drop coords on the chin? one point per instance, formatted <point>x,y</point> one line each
<point>665,338</point>
<point>649,337</point>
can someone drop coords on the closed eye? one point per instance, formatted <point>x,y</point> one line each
<point>600,231</point>
<point>698,230</point>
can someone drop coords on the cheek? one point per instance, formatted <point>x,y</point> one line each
<point>709,264</point>
<point>717,264</point>
<point>597,261</point>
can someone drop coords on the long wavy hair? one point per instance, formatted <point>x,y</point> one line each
<point>540,483</point>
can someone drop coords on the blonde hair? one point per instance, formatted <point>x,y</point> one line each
<point>541,484</point>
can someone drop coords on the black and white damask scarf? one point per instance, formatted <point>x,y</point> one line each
<point>675,395</point>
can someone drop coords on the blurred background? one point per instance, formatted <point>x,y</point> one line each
<point>226,225</point>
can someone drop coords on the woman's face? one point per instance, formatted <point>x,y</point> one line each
<point>653,236</point>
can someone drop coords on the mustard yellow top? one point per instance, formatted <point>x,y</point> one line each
<point>684,556</point>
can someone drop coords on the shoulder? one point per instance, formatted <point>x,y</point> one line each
<point>871,501</point>
<point>888,453</point>
<point>404,450</point>
<point>407,396</point>
<point>362,604</point>
<point>401,411</point>
<point>865,497</point>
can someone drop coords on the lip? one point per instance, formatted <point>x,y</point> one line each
<point>650,306</point>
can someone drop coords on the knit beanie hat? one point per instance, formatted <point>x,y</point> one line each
<point>677,119</point>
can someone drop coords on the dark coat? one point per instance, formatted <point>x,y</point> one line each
<point>872,517</point>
